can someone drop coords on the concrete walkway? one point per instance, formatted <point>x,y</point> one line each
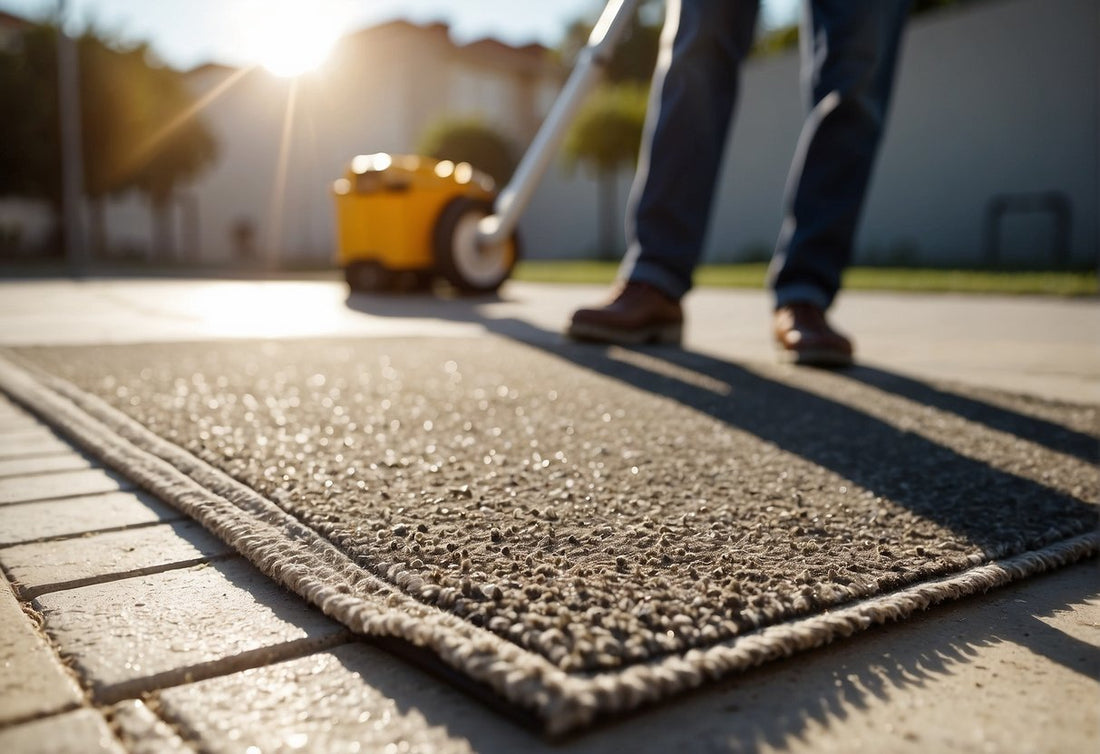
<point>128,628</point>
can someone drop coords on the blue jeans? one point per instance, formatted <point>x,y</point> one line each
<point>849,51</point>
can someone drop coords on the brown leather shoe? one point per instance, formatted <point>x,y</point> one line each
<point>804,337</point>
<point>639,314</point>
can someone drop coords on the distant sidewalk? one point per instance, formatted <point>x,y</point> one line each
<point>1044,346</point>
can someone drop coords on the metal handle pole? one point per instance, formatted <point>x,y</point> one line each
<point>592,61</point>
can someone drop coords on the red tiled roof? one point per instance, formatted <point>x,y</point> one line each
<point>12,21</point>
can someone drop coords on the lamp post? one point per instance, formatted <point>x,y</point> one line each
<point>72,156</point>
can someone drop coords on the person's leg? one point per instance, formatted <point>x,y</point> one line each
<point>849,50</point>
<point>691,103</point>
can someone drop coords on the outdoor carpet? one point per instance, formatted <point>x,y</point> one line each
<point>580,529</point>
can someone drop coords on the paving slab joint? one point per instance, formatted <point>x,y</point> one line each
<point>105,530</point>
<point>33,615</point>
<point>31,593</point>
<point>17,588</point>
<point>15,722</point>
<point>141,728</point>
<point>37,622</point>
<point>44,466</point>
<point>104,695</point>
<point>126,486</point>
<point>177,723</point>
<point>66,667</point>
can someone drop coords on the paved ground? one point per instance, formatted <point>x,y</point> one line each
<point>130,629</point>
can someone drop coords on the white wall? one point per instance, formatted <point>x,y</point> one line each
<point>27,223</point>
<point>747,210</point>
<point>997,99</point>
<point>563,220</point>
<point>993,98</point>
<point>128,222</point>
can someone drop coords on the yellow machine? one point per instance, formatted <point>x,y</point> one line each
<point>404,220</point>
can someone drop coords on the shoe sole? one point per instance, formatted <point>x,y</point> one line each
<point>664,335</point>
<point>815,358</point>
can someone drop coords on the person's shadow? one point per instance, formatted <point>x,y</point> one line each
<point>1001,512</point>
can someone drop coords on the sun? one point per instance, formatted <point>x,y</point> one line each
<point>290,39</point>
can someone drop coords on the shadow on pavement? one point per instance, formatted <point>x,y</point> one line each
<point>928,478</point>
<point>776,705</point>
<point>1049,434</point>
<point>857,446</point>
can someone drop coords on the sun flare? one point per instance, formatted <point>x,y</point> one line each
<point>290,39</point>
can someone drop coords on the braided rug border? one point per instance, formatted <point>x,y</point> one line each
<point>301,560</point>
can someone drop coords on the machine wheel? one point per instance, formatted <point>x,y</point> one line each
<point>368,277</point>
<point>468,266</point>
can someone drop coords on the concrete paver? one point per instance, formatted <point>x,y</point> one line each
<point>43,465</point>
<point>42,567</point>
<point>80,732</point>
<point>32,683</point>
<point>31,443</point>
<point>946,681</point>
<point>27,434</point>
<point>78,515</point>
<point>12,422</point>
<point>25,489</point>
<point>142,732</point>
<point>129,636</point>
<point>324,702</point>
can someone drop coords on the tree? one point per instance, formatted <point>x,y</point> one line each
<point>175,146</point>
<point>606,136</point>
<point>607,133</point>
<point>132,130</point>
<point>30,164</point>
<point>635,56</point>
<point>470,140</point>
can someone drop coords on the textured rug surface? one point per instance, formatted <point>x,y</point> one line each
<point>585,530</point>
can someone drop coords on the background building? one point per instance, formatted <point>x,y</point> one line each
<point>992,153</point>
<point>282,142</point>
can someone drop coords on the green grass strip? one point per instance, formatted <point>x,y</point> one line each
<point>1052,283</point>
